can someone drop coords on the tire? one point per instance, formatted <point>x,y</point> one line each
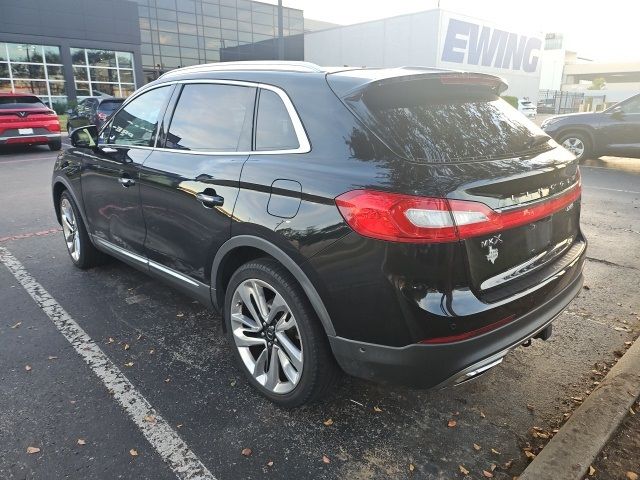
<point>294,335</point>
<point>55,145</point>
<point>81,250</point>
<point>577,143</point>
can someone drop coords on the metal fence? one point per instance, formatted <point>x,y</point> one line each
<point>557,101</point>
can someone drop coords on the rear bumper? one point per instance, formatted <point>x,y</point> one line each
<point>31,139</point>
<point>439,365</point>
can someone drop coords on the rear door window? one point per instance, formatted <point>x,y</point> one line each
<point>212,117</point>
<point>274,129</point>
<point>430,122</point>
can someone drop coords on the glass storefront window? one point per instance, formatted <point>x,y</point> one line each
<point>97,72</point>
<point>30,68</point>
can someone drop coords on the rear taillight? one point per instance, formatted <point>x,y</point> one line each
<point>406,218</point>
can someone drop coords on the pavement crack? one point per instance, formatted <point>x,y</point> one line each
<point>611,264</point>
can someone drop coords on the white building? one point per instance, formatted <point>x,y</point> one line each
<point>434,38</point>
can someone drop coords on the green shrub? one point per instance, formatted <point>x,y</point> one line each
<point>511,100</point>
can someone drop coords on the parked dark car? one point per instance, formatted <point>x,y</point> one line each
<point>92,111</point>
<point>614,131</point>
<point>405,225</point>
<point>26,120</point>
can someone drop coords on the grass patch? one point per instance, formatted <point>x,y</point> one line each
<point>63,122</point>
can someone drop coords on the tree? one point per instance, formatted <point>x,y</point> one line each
<point>597,84</point>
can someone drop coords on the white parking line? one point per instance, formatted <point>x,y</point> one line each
<point>166,441</point>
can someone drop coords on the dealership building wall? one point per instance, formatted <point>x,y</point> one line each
<point>64,49</point>
<point>434,38</point>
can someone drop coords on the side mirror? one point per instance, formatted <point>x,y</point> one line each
<point>617,112</point>
<point>84,137</point>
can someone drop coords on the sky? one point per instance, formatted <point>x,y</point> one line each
<point>605,31</point>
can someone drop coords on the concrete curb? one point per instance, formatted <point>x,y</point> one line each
<point>577,444</point>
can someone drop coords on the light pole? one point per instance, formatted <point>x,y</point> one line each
<point>280,32</point>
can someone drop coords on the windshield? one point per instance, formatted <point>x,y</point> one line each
<point>20,102</point>
<point>435,123</point>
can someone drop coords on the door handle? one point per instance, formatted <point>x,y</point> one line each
<point>108,150</point>
<point>126,182</point>
<point>210,201</point>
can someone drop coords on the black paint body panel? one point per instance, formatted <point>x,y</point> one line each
<point>391,295</point>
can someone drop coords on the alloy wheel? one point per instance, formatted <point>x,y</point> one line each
<point>70,229</point>
<point>266,335</point>
<point>574,145</point>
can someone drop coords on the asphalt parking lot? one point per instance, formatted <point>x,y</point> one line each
<point>173,353</point>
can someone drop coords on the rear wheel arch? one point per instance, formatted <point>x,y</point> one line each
<point>243,248</point>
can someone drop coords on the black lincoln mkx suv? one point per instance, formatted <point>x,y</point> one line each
<point>403,225</point>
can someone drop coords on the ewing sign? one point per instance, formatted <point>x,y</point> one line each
<point>473,44</point>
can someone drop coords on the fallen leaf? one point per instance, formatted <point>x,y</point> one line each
<point>139,337</point>
<point>493,450</point>
<point>451,423</point>
<point>328,422</point>
<point>133,452</point>
<point>507,465</point>
<point>463,470</point>
<point>326,459</point>
<point>52,357</point>
<point>270,463</point>
<point>126,346</point>
<point>180,425</point>
<point>493,467</point>
<point>31,450</point>
<point>411,467</point>
<point>632,475</point>
<point>150,419</point>
<point>128,364</point>
<point>246,452</point>
<point>476,447</point>
<point>110,341</point>
<point>179,314</point>
<point>530,455</point>
<point>377,409</point>
<point>586,287</point>
<point>530,407</point>
<point>16,325</point>
<point>167,380</point>
<point>82,441</point>
<point>487,474</point>
<point>27,368</point>
<point>152,351</point>
<point>483,415</point>
<point>592,471</point>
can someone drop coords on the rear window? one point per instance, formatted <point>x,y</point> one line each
<point>21,102</point>
<point>427,121</point>
<point>109,106</point>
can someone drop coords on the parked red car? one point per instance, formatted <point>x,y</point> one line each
<point>25,120</point>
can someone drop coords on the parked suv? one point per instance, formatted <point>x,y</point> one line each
<point>25,120</point>
<point>615,131</point>
<point>404,225</point>
<point>92,111</point>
